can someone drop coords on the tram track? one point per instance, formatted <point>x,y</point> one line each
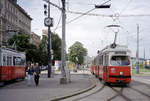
<point>139,91</point>
<point>97,91</point>
<point>119,93</point>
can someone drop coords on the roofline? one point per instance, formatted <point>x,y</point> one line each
<point>21,9</point>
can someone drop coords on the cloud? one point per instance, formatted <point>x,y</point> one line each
<point>90,30</point>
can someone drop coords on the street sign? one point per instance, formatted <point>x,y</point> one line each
<point>48,21</point>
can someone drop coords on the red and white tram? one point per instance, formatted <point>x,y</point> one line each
<point>12,64</point>
<point>112,64</point>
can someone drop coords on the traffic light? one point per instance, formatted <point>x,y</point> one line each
<point>45,9</point>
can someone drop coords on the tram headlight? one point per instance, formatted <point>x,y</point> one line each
<point>121,73</point>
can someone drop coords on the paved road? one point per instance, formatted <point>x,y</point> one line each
<point>48,88</point>
<point>144,79</point>
<point>136,91</point>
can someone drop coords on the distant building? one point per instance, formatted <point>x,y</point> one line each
<point>13,19</point>
<point>35,39</point>
<point>45,32</point>
<point>88,60</point>
<point>141,60</point>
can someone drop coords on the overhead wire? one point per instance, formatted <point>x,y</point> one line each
<point>58,23</point>
<point>85,13</point>
<point>126,7</point>
<point>82,14</point>
<point>111,15</point>
<point>59,18</point>
<point>80,3</point>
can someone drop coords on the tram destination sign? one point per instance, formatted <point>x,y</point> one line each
<point>121,52</point>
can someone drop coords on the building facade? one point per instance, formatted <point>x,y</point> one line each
<point>13,19</point>
<point>45,32</point>
<point>35,39</point>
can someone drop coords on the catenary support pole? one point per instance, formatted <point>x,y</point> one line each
<point>64,69</point>
<point>137,52</point>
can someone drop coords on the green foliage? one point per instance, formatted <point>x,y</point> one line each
<point>56,46</point>
<point>21,43</point>
<point>141,65</point>
<point>77,53</point>
<point>34,54</point>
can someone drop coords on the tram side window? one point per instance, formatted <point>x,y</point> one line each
<point>106,60</point>
<point>101,60</point>
<point>4,60</point>
<point>17,61</point>
<point>9,61</point>
<point>94,61</point>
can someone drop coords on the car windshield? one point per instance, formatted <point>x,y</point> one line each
<point>120,61</point>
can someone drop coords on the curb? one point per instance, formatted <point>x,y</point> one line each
<point>76,93</point>
<point>143,81</point>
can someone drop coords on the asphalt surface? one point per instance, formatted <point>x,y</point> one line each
<point>135,91</point>
<point>48,88</point>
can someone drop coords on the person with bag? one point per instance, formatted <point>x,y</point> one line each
<point>30,74</point>
<point>36,74</point>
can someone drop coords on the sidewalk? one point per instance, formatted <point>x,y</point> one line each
<point>142,79</point>
<point>48,88</point>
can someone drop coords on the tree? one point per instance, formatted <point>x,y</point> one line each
<point>56,47</point>
<point>77,53</point>
<point>22,43</point>
<point>34,54</point>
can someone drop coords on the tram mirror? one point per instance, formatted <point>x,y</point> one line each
<point>98,52</point>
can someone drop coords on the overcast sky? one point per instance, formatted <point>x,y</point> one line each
<point>92,30</point>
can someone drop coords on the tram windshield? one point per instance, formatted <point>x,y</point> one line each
<point>120,61</point>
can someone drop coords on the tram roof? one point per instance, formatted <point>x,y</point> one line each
<point>117,48</point>
<point>12,50</point>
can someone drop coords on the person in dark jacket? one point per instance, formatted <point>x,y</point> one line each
<point>30,74</point>
<point>36,74</point>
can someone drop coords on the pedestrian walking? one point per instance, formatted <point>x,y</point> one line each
<point>30,74</point>
<point>36,74</point>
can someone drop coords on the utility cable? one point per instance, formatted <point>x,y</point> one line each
<point>125,7</point>
<point>81,15</point>
<point>111,15</point>
<point>58,23</point>
<point>85,13</point>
